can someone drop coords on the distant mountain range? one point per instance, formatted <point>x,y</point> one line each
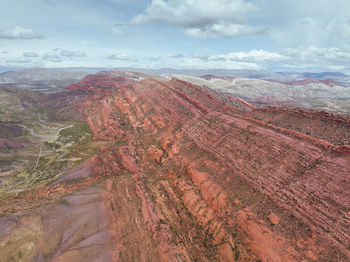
<point>264,75</point>
<point>40,78</point>
<point>321,91</point>
<point>310,93</point>
<point>339,77</point>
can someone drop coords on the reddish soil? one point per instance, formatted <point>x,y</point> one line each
<point>193,175</point>
<point>68,230</point>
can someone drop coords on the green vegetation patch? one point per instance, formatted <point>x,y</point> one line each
<point>72,146</point>
<point>79,133</point>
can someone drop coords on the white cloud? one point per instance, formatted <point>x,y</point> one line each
<point>152,58</point>
<point>18,61</point>
<point>214,18</point>
<point>314,22</point>
<point>205,57</point>
<point>201,56</point>
<point>177,56</point>
<point>21,33</point>
<point>224,30</point>
<point>195,63</point>
<point>193,13</point>
<point>30,54</point>
<point>253,56</point>
<point>122,57</point>
<point>69,53</point>
<point>309,58</point>
<point>52,57</point>
<point>333,58</point>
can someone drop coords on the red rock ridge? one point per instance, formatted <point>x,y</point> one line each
<point>198,176</point>
<point>318,124</point>
<point>101,82</point>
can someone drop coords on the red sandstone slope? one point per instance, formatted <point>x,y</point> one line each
<point>253,190</point>
<point>193,175</point>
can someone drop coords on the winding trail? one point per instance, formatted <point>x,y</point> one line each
<point>62,153</point>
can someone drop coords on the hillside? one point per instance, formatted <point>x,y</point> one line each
<point>169,170</point>
<point>40,79</point>
<point>309,93</point>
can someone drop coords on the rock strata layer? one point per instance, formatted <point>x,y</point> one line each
<point>191,174</point>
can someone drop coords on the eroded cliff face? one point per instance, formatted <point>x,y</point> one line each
<point>190,174</point>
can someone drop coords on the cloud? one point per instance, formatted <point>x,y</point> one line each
<point>315,22</point>
<point>253,59</point>
<point>52,57</point>
<point>18,60</point>
<point>302,58</point>
<point>224,30</point>
<point>177,56</point>
<point>208,57</point>
<point>122,57</point>
<point>20,33</point>
<point>253,56</point>
<point>193,13</point>
<point>213,62</point>
<point>152,58</point>
<point>318,57</point>
<point>116,30</point>
<point>68,53</point>
<point>215,18</point>
<point>30,54</point>
<point>4,52</point>
<point>201,56</point>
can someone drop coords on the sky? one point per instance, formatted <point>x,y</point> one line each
<point>273,35</point>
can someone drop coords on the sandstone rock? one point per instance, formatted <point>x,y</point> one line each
<point>274,219</point>
<point>155,153</point>
<point>196,175</point>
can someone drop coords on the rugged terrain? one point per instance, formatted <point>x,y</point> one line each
<point>40,79</point>
<point>285,76</point>
<point>173,171</point>
<point>310,93</point>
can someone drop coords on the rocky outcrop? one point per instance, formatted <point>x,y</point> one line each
<point>222,167</point>
<point>191,174</point>
<point>318,124</point>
